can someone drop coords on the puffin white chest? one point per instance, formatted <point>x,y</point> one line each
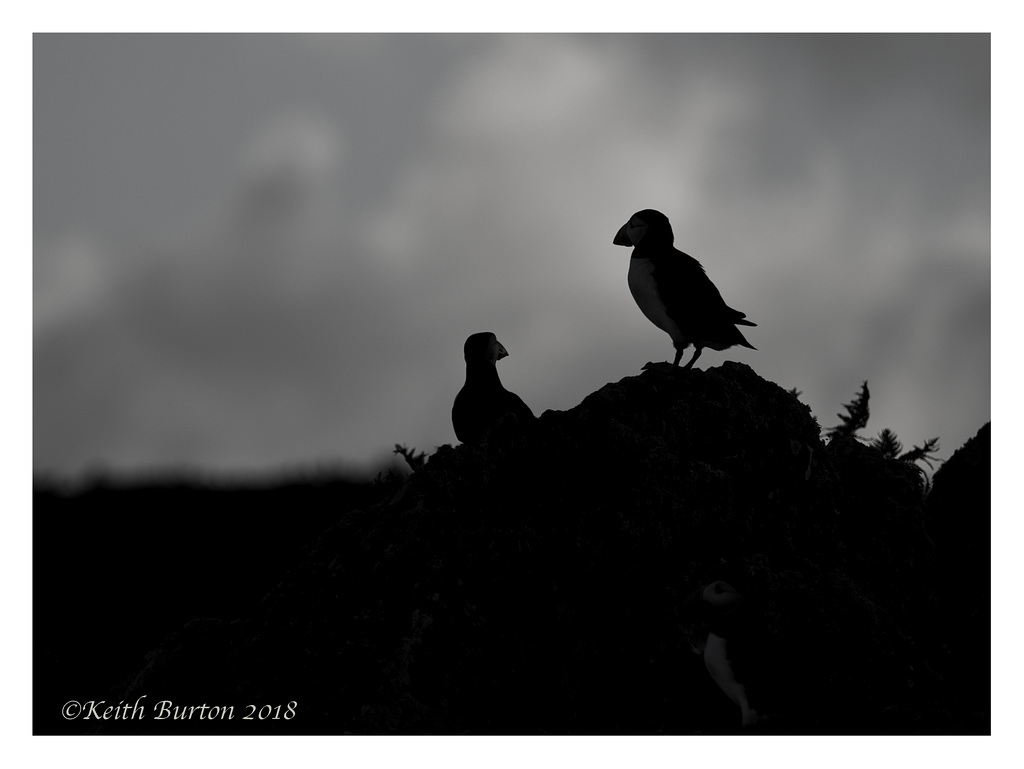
<point>645,293</point>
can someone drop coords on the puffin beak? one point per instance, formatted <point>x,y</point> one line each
<point>502,352</point>
<point>630,234</point>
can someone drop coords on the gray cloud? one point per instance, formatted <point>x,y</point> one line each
<point>254,252</point>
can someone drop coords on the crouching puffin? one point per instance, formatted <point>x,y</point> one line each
<point>482,401</point>
<point>720,606</point>
<point>673,291</point>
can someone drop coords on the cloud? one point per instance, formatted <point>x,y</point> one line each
<point>215,347</point>
<point>71,279</point>
<point>386,202</point>
<point>524,89</point>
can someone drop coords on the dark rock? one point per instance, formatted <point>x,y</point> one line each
<point>959,520</point>
<point>532,583</point>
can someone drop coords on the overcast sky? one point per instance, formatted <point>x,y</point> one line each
<point>265,252</point>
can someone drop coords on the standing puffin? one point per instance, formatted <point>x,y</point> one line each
<point>482,401</point>
<point>671,289</point>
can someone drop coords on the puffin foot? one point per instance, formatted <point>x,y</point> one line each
<point>696,354</point>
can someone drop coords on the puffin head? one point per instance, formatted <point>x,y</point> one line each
<point>483,347</point>
<point>648,225</point>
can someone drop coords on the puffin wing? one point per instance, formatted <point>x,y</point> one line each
<point>477,410</point>
<point>689,296</point>
<point>695,303</point>
<point>513,404</point>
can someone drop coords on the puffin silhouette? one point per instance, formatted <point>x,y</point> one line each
<point>727,615</point>
<point>483,400</point>
<point>673,291</point>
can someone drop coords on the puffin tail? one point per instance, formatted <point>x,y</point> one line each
<point>742,340</point>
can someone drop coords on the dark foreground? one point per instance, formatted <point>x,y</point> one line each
<point>533,584</point>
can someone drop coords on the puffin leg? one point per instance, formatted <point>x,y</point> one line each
<point>697,350</point>
<point>679,354</point>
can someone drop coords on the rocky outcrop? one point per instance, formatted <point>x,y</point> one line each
<point>533,584</point>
